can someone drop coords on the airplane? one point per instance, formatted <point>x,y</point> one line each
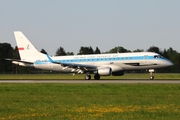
<point>98,64</point>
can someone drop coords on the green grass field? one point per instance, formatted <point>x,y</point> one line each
<point>81,76</point>
<point>89,101</point>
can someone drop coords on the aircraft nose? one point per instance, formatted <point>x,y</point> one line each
<point>169,63</point>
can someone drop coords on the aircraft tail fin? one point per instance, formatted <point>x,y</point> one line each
<point>26,49</point>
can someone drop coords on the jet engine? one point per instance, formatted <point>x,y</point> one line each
<point>118,73</point>
<point>104,71</point>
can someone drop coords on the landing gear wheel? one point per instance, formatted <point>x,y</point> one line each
<point>87,77</point>
<point>96,76</point>
<point>151,73</point>
<point>152,77</point>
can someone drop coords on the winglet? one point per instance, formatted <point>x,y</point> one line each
<point>49,58</point>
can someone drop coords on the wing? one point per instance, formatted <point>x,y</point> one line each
<point>80,68</point>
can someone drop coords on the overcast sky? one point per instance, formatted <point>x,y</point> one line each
<point>132,24</point>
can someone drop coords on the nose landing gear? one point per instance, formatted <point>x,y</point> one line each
<point>151,74</point>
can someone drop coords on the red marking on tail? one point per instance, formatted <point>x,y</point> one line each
<point>21,48</point>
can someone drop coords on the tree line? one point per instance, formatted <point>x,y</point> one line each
<point>7,51</point>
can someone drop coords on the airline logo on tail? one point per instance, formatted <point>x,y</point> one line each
<point>20,48</point>
<point>27,48</point>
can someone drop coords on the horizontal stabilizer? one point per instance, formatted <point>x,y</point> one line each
<point>19,61</point>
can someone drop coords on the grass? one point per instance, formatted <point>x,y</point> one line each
<point>81,76</point>
<point>89,101</point>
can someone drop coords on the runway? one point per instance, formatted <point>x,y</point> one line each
<point>95,81</point>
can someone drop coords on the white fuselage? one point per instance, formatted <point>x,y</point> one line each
<point>117,62</point>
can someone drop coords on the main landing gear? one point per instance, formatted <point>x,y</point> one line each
<point>151,74</point>
<point>88,77</point>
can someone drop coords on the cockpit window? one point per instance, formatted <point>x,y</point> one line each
<point>158,56</point>
<point>161,56</point>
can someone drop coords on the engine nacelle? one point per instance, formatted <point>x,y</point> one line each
<point>104,71</point>
<point>118,73</point>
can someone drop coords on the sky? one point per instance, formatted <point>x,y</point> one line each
<point>132,24</point>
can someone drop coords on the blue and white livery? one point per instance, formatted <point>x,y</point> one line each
<point>98,64</point>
